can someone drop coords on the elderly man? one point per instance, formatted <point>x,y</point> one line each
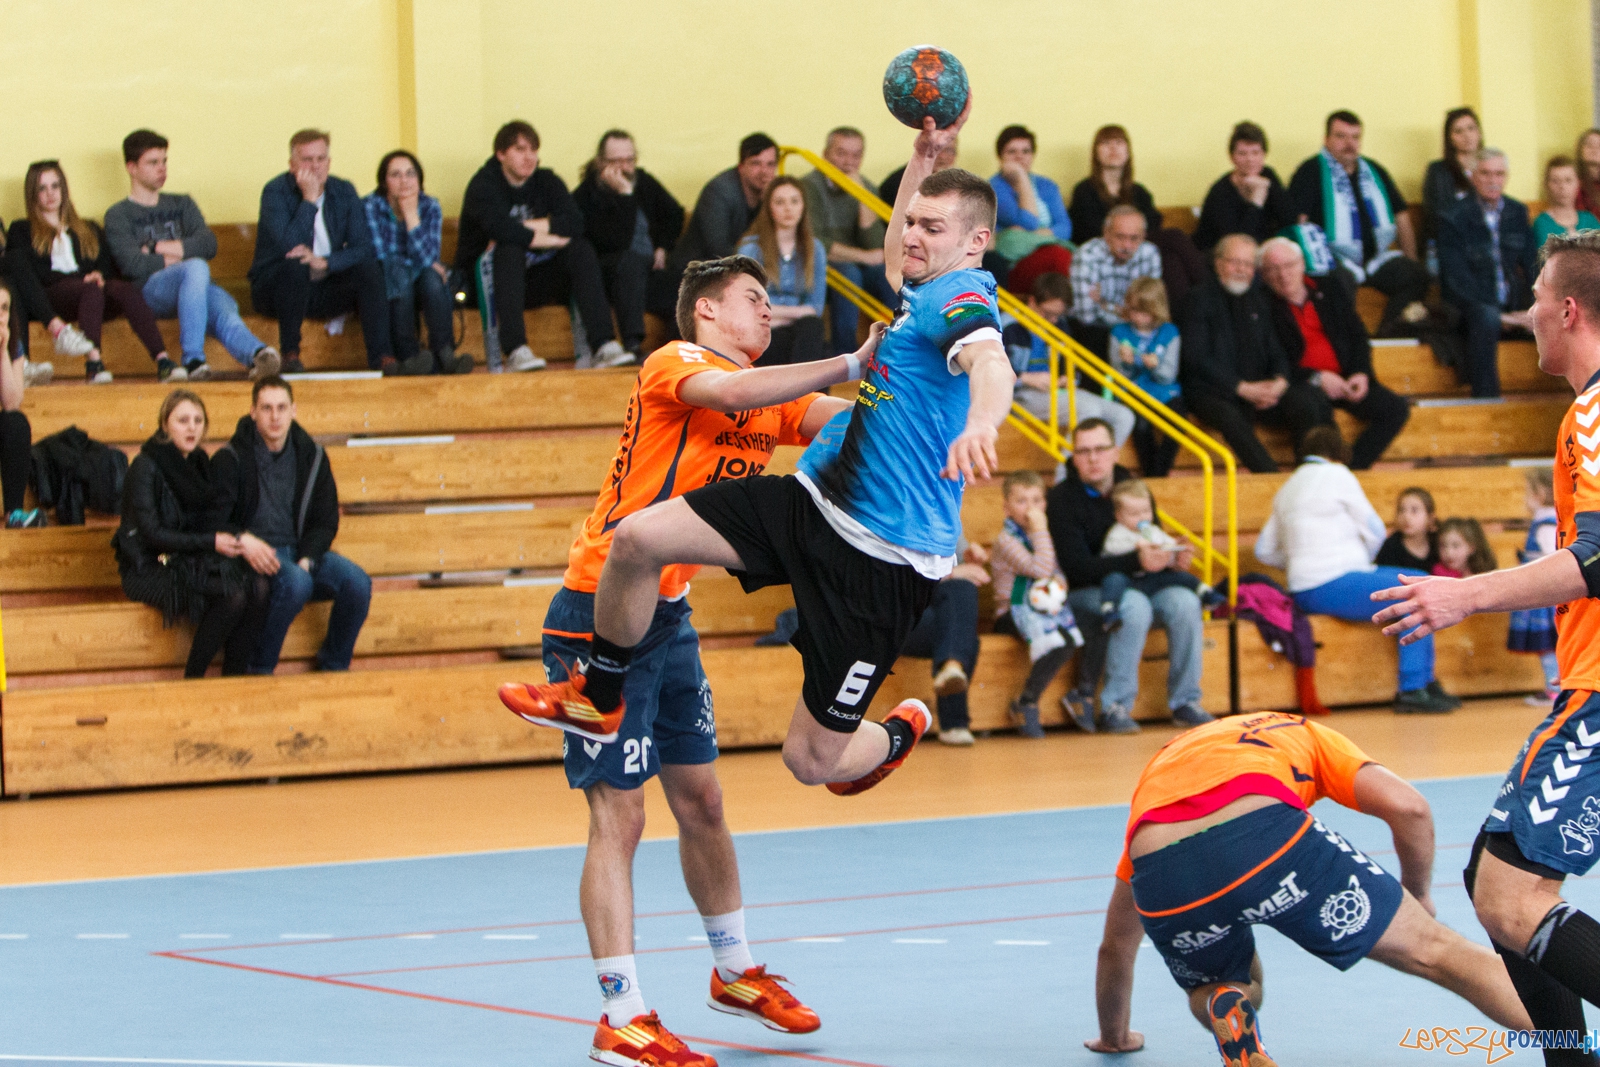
<point>1235,371</point>
<point>1102,271</point>
<point>1361,211</point>
<point>851,232</point>
<point>1327,345</point>
<point>1486,267</point>
<point>1078,512</point>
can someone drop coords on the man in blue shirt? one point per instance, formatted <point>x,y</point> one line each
<point>867,527</point>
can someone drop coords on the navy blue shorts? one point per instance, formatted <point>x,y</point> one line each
<point>668,717</point>
<point>1550,801</point>
<point>1199,898</point>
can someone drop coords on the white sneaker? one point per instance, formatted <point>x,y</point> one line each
<point>37,373</point>
<point>959,736</point>
<point>611,354</point>
<point>335,325</point>
<point>523,359</point>
<point>100,377</point>
<point>72,341</point>
<point>198,372</point>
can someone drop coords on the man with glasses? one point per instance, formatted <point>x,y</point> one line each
<point>1079,513</point>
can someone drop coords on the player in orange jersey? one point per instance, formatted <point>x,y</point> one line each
<point>699,415</point>
<point>1544,823</point>
<point>1220,838</point>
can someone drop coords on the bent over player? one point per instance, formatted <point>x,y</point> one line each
<point>1545,822</point>
<point>868,526</point>
<point>698,416</point>
<point>1220,838</point>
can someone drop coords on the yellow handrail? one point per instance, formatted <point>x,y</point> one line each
<point>1068,359</point>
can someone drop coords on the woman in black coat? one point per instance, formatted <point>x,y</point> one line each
<point>167,555</point>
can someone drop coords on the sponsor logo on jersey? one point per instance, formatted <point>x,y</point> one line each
<point>1287,896</point>
<point>1193,940</point>
<point>968,305</point>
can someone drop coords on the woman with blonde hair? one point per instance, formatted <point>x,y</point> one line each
<point>780,239</point>
<point>63,266</point>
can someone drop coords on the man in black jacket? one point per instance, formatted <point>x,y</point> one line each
<point>523,215</point>
<point>1234,370</point>
<point>274,491</point>
<point>1078,511</point>
<point>1486,267</point>
<point>633,222</point>
<point>1327,345</point>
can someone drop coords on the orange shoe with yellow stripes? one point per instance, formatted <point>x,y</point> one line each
<point>912,711</point>
<point>757,995</point>
<point>644,1042</point>
<point>563,705</point>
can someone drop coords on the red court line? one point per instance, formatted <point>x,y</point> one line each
<point>701,947</point>
<point>527,1012</point>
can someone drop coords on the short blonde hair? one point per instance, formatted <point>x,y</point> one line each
<point>1148,295</point>
<point>1020,479</point>
<point>1133,487</point>
<point>170,404</point>
<point>1541,482</point>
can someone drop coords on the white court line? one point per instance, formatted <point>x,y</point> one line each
<point>816,940</point>
<point>512,937</point>
<point>922,941</point>
<point>415,937</point>
<point>1022,942</point>
<point>304,937</point>
<point>700,937</point>
<point>148,1059</point>
<point>103,937</point>
<point>204,937</point>
<point>13,937</point>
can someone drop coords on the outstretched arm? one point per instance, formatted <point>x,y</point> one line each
<point>1385,795</point>
<point>992,382</point>
<point>759,387</point>
<point>924,152</point>
<point>1432,604</point>
<point>1113,976</point>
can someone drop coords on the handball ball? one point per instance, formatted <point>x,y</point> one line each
<point>1047,596</point>
<point>925,81</point>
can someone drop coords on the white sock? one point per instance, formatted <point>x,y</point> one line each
<point>620,998</point>
<point>728,946</point>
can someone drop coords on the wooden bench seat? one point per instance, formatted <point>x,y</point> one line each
<point>1411,370</point>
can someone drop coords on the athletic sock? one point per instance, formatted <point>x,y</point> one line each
<point>729,949</point>
<point>1566,946</point>
<point>608,666</point>
<point>901,738</point>
<point>1551,1006</point>
<point>1043,670</point>
<point>620,998</point>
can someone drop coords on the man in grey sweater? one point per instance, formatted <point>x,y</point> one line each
<point>161,242</point>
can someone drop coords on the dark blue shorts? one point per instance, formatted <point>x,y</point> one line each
<point>1550,801</point>
<point>1199,898</point>
<point>668,718</point>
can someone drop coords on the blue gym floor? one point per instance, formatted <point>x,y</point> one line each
<point>951,942</point>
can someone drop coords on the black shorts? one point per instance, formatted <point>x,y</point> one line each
<point>855,611</point>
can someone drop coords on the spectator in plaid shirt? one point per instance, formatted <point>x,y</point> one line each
<point>407,225</point>
<point>1103,269</point>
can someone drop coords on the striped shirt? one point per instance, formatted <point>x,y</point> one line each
<point>1094,266</point>
<point>1011,558</point>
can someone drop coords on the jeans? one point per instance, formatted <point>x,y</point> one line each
<point>1349,596</point>
<point>334,578</point>
<point>844,315</point>
<point>948,630</point>
<point>1119,653</point>
<point>431,296</point>
<point>287,293</point>
<point>1481,325</point>
<point>184,290</point>
<point>90,305</point>
<point>1090,406</point>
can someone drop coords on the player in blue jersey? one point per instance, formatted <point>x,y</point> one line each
<point>867,528</point>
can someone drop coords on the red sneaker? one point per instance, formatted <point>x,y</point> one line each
<point>757,995</point>
<point>912,711</point>
<point>563,705</point>
<point>644,1042</point>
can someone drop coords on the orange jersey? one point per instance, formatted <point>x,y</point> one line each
<point>669,447</point>
<point>1576,480</point>
<point>1308,760</point>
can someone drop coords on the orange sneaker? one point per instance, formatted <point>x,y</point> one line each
<point>757,995</point>
<point>1233,1024</point>
<point>563,705</point>
<point>912,711</point>
<point>644,1042</point>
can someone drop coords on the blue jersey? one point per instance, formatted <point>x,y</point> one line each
<point>882,468</point>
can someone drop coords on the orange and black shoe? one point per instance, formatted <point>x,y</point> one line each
<point>912,711</point>
<point>563,705</point>
<point>644,1042</point>
<point>1233,1024</point>
<point>757,995</point>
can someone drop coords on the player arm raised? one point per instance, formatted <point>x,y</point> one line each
<point>924,155</point>
<point>759,387</point>
<point>1385,795</point>
<point>1113,976</point>
<point>992,382</point>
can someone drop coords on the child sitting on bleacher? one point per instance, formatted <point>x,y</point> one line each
<point>1135,511</point>
<point>1463,550</point>
<point>1414,545</point>
<point>1535,631</point>
<point>1031,596</point>
<point>1145,349</point>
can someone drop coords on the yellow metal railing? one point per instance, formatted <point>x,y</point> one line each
<point>1068,360</point>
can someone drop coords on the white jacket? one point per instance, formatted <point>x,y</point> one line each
<point>1322,526</point>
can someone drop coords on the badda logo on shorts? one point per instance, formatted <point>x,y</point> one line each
<point>1347,911</point>
<point>853,689</point>
<point>1194,940</point>
<point>1577,835</point>
<point>613,984</point>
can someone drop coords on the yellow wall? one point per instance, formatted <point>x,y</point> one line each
<point>227,83</point>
